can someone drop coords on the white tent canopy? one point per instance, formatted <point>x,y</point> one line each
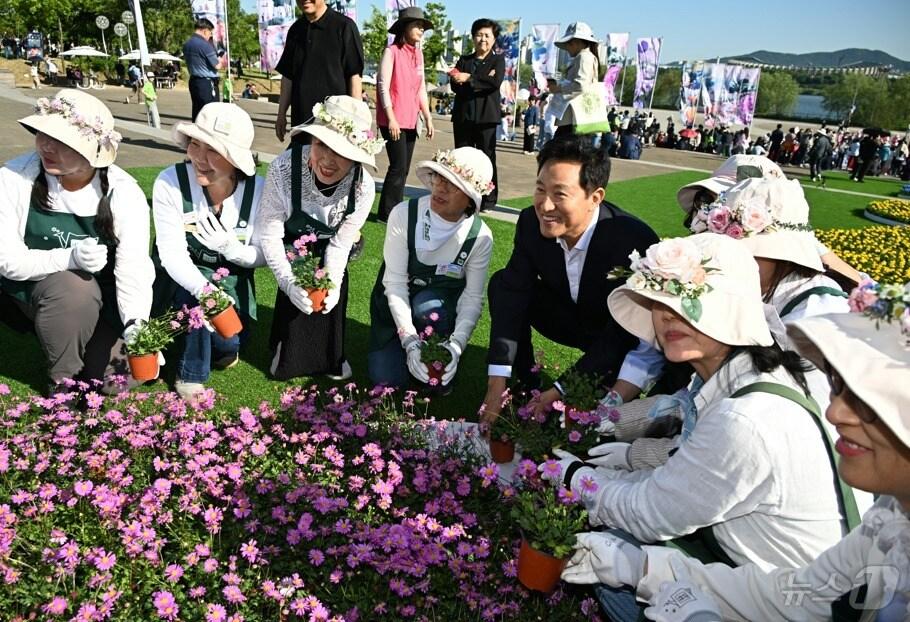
<point>159,55</point>
<point>84,50</point>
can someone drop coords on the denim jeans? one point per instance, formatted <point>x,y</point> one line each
<point>201,346</point>
<point>389,366</point>
<point>619,603</point>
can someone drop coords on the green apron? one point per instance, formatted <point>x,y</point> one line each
<point>815,291</point>
<point>703,544</point>
<point>447,280</point>
<point>48,230</point>
<point>240,284</point>
<point>300,223</point>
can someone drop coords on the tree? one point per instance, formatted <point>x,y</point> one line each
<point>434,46</point>
<point>777,94</point>
<point>374,35</point>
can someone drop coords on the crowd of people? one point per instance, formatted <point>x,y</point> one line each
<point>742,334</point>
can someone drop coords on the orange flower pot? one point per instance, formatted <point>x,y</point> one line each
<point>503,452</point>
<point>227,323</point>
<point>538,571</point>
<point>144,367</point>
<point>318,298</point>
<point>434,373</point>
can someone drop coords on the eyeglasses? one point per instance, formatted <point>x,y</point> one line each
<point>838,387</point>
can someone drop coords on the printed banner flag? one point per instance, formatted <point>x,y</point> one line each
<point>690,91</point>
<point>747,95</point>
<point>646,77</point>
<point>544,53</point>
<point>507,44</point>
<point>275,17</point>
<point>216,12</point>
<point>712,83</point>
<point>345,7</point>
<point>617,42</point>
<point>729,94</point>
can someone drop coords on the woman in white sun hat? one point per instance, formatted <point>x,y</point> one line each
<point>204,209</point>
<point>865,576</point>
<point>578,100</point>
<point>319,190</point>
<point>436,255</point>
<point>74,234</point>
<point>753,479</point>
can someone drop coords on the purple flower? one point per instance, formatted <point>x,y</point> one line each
<point>588,485</point>
<point>173,572</point>
<point>83,488</point>
<point>56,607</point>
<point>550,470</point>
<point>215,613</point>
<point>104,561</point>
<point>233,594</point>
<point>574,436</point>
<point>165,605</point>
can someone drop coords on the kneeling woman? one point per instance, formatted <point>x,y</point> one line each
<point>204,209</point>
<point>317,190</point>
<point>436,254</point>
<point>74,234</point>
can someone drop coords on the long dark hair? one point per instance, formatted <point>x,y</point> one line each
<point>783,269</point>
<point>104,217</point>
<point>766,359</point>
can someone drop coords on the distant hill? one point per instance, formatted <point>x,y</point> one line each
<point>851,57</point>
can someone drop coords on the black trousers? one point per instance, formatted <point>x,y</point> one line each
<point>399,152</point>
<point>480,136</point>
<point>202,91</point>
<point>862,168</point>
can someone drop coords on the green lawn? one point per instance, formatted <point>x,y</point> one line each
<point>651,198</point>
<point>881,186</point>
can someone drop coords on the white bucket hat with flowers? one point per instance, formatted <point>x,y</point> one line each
<point>226,128</point>
<point>869,349</point>
<point>468,168</point>
<point>734,169</point>
<point>710,280</point>
<point>771,216</point>
<point>79,121</point>
<point>345,125</point>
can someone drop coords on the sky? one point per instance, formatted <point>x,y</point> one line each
<point>705,29</point>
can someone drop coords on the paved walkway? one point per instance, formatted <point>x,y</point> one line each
<point>146,146</point>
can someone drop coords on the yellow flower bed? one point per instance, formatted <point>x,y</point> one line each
<point>882,252</point>
<point>895,209</point>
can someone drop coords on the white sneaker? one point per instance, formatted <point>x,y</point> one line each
<point>346,372</point>
<point>189,391</point>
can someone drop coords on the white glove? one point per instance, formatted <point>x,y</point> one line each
<point>160,364</point>
<point>88,255</point>
<point>417,367</point>
<point>212,234</point>
<point>611,455</point>
<point>130,332</point>
<point>682,600</point>
<point>612,400</point>
<point>300,299</point>
<point>565,460</point>
<point>603,558</point>
<point>331,299</point>
<point>455,350</point>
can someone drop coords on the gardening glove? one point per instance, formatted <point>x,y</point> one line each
<point>88,255</point>
<point>565,461</point>
<point>416,366</point>
<point>300,299</point>
<point>611,401</point>
<point>601,557</point>
<point>331,299</point>
<point>455,350</point>
<point>681,600</point>
<point>130,332</point>
<point>213,235</point>
<point>611,456</point>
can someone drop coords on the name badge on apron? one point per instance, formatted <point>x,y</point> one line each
<point>450,269</point>
<point>189,221</point>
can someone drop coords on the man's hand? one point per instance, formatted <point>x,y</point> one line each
<point>281,125</point>
<point>492,402</point>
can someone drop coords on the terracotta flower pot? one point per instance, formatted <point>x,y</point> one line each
<point>318,298</point>
<point>538,571</point>
<point>227,323</point>
<point>435,374</point>
<point>144,367</point>
<point>502,451</point>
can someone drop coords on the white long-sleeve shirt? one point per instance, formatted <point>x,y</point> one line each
<point>133,269</point>
<point>170,235</point>
<point>276,207</point>
<point>395,280</point>
<point>750,593</point>
<point>754,467</point>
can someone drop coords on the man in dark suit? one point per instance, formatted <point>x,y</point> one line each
<point>556,279</point>
<point>475,81</point>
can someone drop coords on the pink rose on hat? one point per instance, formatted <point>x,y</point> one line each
<point>735,231</point>
<point>755,217</point>
<point>719,219</point>
<point>677,259</point>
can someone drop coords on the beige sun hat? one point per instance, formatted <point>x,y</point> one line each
<point>79,121</point>
<point>710,280</point>
<point>226,128</point>
<point>871,354</point>
<point>770,216</point>
<point>468,168</point>
<point>576,30</point>
<point>345,125</point>
<point>734,169</point>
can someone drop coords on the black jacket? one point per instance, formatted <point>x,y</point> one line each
<point>537,261</point>
<point>478,99</point>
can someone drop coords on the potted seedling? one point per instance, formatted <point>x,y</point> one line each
<point>308,273</point>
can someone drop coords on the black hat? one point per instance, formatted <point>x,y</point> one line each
<point>410,14</point>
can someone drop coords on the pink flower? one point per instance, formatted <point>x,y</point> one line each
<point>588,485</point>
<point>319,274</point>
<point>550,470</point>
<point>861,299</point>
<point>57,606</point>
<point>173,572</point>
<point>165,605</point>
<point>434,317</point>
<point>83,488</point>
<point>756,217</point>
<point>719,219</point>
<point>215,613</point>
<point>574,436</point>
<point>735,231</point>
<point>233,594</point>
<point>676,258</point>
<point>105,561</point>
